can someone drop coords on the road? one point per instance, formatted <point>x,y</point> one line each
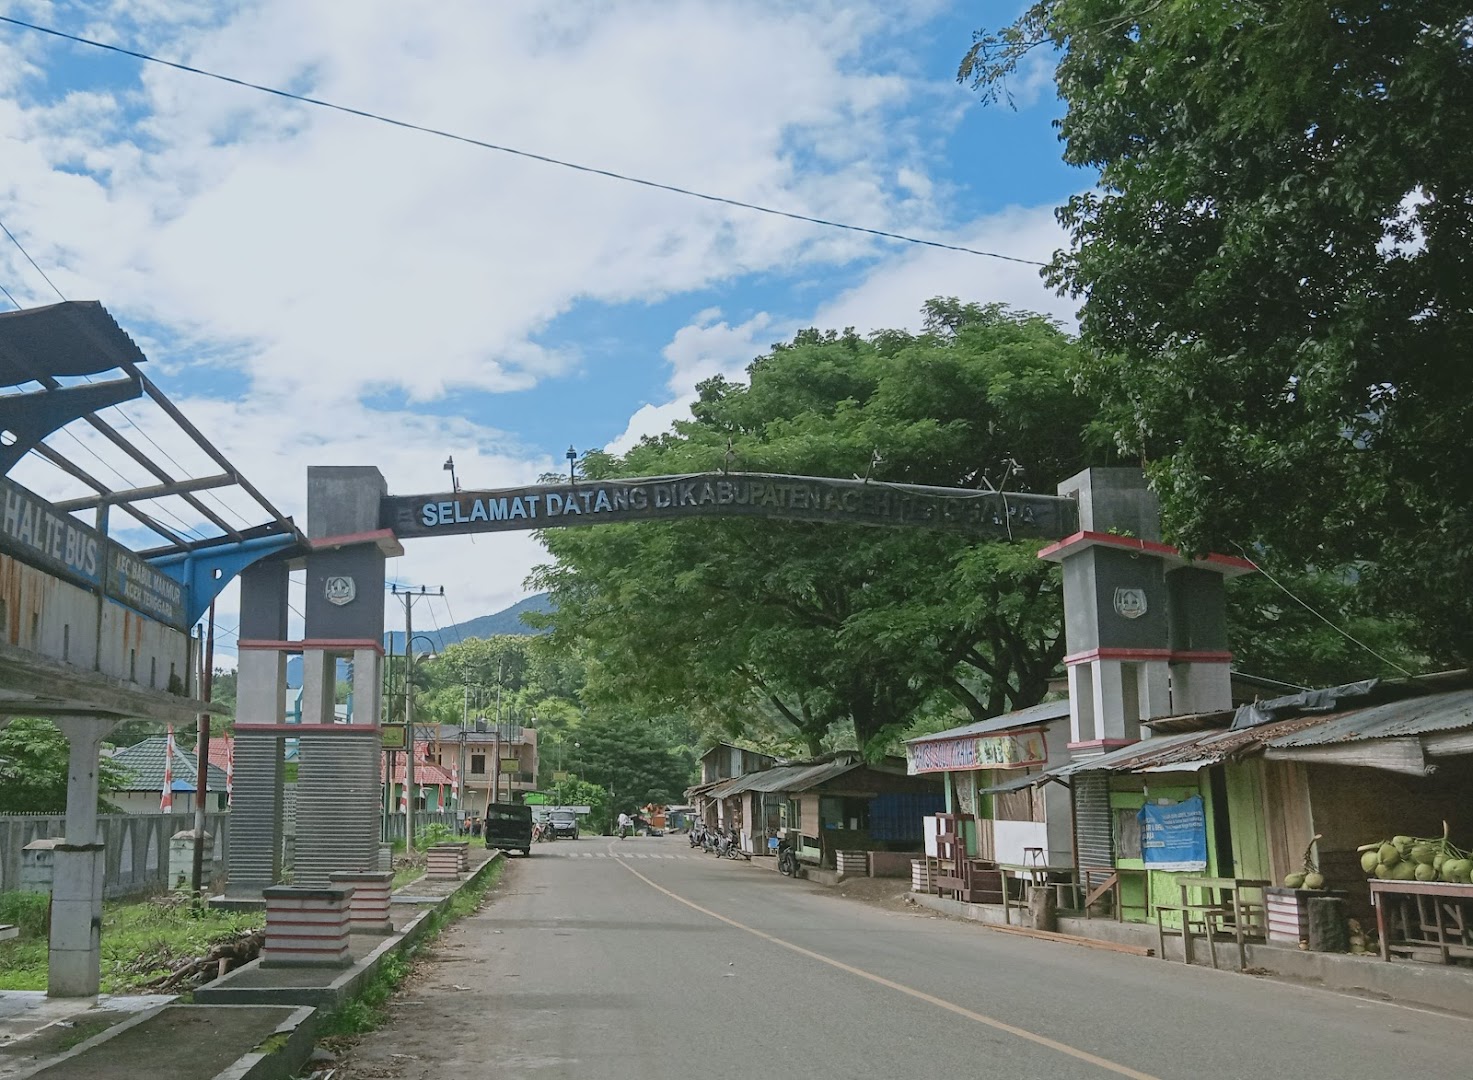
<point>643,960</point>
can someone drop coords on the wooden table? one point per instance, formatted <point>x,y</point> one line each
<point>1444,917</point>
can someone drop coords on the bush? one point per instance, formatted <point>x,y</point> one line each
<point>434,834</point>
<point>29,911</point>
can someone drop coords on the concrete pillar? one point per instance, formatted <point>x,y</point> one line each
<point>38,864</point>
<point>181,858</point>
<point>1145,627</point>
<point>337,804</point>
<point>260,710</point>
<point>319,686</point>
<point>368,685</point>
<point>75,955</point>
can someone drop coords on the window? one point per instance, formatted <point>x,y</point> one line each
<point>794,814</point>
<point>1128,832</point>
<point>478,764</point>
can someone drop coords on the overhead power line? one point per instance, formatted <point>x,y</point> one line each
<point>424,129</point>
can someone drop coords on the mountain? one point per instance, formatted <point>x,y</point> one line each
<point>428,639</point>
<point>506,621</point>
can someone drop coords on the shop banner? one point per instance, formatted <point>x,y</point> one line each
<point>1174,837</point>
<point>1012,751</point>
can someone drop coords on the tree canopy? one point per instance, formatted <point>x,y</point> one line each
<point>827,624</point>
<point>34,758</point>
<point>1276,272</point>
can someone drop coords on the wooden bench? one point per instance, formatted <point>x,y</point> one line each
<point>1232,913</point>
<point>1098,881</point>
<point>1058,878</point>
<point>1200,915</point>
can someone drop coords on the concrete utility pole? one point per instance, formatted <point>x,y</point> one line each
<point>410,799</point>
<point>201,784</point>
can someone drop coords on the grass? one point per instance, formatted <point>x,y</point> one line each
<point>366,1012</point>
<point>140,940</point>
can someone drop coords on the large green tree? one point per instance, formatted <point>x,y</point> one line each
<point>33,769</point>
<point>1276,271</point>
<point>828,624</point>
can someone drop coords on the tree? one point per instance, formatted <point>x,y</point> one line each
<point>827,624</point>
<point>1275,273</point>
<point>633,761</point>
<point>34,757</point>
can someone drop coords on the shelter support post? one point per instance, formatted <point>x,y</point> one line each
<point>75,957</point>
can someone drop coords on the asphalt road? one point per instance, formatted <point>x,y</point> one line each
<point>643,960</point>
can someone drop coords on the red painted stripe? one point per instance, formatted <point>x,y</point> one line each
<point>374,536</point>
<point>1182,657</point>
<point>286,731</point>
<point>325,644</point>
<point>1148,547</point>
<point>1102,744</point>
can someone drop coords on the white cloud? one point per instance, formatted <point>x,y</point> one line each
<point>890,297</point>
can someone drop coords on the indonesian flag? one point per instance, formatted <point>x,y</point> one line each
<point>229,772</point>
<point>455,781</point>
<point>166,800</point>
<point>404,794</point>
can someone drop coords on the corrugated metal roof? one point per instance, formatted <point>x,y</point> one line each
<point>77,337</point>
<point>786,777</point>
<point>1029,717</point>
<point>1411,716</point>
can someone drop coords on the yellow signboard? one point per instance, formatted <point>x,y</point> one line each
<point>391,736</point>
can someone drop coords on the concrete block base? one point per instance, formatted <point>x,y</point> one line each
<point>306,927</point>
<point>368,909</point>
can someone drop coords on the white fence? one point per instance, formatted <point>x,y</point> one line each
<point>137,847</point>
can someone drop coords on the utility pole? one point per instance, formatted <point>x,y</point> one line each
<point>202,776</point>
<point>410,796</point>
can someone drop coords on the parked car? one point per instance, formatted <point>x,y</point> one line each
<point>565,824</point>
<point>509,826</point>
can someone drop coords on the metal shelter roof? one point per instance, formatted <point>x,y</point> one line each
<point>798,777</point>
<point>77,338</point>
<point>1032,716</point>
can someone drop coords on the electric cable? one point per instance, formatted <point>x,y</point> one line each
<point>545,159</point>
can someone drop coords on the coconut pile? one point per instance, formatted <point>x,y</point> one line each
<point>1413,858</point>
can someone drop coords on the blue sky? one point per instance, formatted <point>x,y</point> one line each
<point>314,288</point>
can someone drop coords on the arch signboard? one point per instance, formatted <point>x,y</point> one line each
<point>986,514</point>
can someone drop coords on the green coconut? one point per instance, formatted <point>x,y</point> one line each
<point>1403,844</point>
<point>1456,870</point>
<point>1425,854</point>
<point>1404,871</point>
<point>1369,860</point>
<point>1294,881</point>
<point>1314,881</point>
<point>1383,871</point>
<point>1390,855</point>
<point>1424,872</point>
<point>1439,860</point>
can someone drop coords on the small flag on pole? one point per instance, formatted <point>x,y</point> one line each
<point>229,771</point>
<point>455,782</point>
<point>166,800</point>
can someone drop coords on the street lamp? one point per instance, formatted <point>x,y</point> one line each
<point>572,456</point>
<point>449,467</point>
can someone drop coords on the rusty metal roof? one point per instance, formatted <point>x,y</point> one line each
<point>1412,716</point>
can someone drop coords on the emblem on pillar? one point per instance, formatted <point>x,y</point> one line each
<point>1129,603</point>
<point>341,590</point>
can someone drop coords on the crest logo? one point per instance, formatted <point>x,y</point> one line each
<point>341,590</point>
<point>1130,603</point>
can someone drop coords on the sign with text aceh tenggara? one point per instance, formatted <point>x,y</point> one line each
<point>763,495</point>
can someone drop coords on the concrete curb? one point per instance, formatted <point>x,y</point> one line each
<point>292,1042</point>
<point>346,985</point>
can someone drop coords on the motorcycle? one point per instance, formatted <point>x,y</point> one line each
<point>787,858</point>
<point>698,836</point>
<point>730,847</point>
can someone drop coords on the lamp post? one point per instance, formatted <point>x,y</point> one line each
<point>449,467</point>
<point>572,456</point>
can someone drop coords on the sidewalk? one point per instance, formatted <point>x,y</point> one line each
<point>1406,982</point>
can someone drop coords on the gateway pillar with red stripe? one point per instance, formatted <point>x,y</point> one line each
<point>1145,626</point>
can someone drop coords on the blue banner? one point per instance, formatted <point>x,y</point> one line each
<point>1174,837</point>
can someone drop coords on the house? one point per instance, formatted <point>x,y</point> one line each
<point>722,762</point>
<point>432,783</point>
<point>1323,771</point>
<point>495,762</point>
<point>836,803</point>
<point>989,773</point>
<point>145,764</point>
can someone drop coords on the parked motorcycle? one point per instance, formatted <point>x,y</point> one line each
<point>729,846</point>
